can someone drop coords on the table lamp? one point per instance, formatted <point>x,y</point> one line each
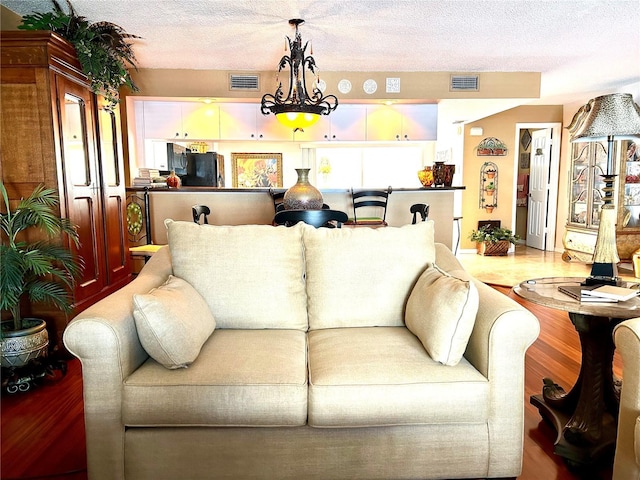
<point>609,117</point>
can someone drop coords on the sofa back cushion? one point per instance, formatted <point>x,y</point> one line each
<point>251,276</point>
<point>362,277</point>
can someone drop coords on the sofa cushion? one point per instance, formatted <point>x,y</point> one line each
<point>251,276</point>
<point>363,276</point>
<point>383,376</point>
<point>441,312</point>
<point>173,322</point>
<point>241,378</point>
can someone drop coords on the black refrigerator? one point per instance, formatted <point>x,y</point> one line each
<point>201,170</point>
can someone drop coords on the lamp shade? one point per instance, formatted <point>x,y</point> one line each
<point>297,120</point>
<point>610,115</point>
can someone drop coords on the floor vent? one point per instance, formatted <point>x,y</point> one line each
<point>464,83</point>
<point>244,82</point>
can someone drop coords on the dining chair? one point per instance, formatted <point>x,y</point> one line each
<point>278,198</point>
<point>371,200</point>
<point>317,218</point>
<point>199,211</point>
<point>419,208</point>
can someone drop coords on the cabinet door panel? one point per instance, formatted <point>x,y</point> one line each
<point>238,121</point>
<point>383,124</point>
<point>419,122</point>
<point>200,121</point>
<point>163,120</point>
<point>83,185</point>
<point>348,123</point>
<point>114,194</point>
<point>269,128</point>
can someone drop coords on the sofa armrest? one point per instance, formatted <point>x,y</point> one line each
<point>502,333</point>
<point>627,459</point>
<point>105,339</point>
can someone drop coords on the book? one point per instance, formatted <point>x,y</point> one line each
<point>620,294</point>
<point>583,293</point>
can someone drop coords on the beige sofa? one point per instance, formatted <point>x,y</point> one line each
<point>308,353</point>
<point>627,459</point>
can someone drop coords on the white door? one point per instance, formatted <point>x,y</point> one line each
<point>538,188</point>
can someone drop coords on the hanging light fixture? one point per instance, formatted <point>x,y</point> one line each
<point>300,109</point>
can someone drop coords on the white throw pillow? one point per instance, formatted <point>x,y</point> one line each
<point>173,322</point>
<point>441,312</point>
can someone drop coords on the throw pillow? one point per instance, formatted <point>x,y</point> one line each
<point>173,322</point>
<point>441,312</point>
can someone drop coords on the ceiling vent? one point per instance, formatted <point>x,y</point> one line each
<point>244,82</point>
<point>464,83</point>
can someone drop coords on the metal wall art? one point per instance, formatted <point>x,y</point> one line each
<point>491,146</point>
<point>488,186</point>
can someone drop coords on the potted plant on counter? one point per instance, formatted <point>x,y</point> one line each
<point>493,240</point>
<point>36,266</point>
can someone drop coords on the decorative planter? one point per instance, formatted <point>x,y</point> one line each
<point>489,193</point>
<point>499,248</point>
<point>21,346</point>
<point>489,208</point>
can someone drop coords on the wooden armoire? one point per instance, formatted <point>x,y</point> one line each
<point>56,132</point>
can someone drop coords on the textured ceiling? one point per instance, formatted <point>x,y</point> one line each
<point>578,46</point>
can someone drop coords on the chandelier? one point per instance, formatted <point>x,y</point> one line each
<point>300,109</point>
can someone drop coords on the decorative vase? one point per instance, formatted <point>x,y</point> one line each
<point>426,176</point>
<point>438,174</point>
<point>19,347</point>
<point>449,170</point>
<point>173,181</point>
<point>303,195</point>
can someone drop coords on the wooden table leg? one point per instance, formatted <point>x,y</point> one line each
<point>585,417</point>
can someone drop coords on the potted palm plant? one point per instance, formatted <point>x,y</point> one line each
<point>40,270</point>
<point>493,240</point>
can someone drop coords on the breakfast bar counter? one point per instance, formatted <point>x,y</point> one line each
<point>241,206</point>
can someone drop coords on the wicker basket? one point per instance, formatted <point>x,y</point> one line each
<point>501,247</point>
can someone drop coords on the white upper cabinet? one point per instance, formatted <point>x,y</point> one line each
<point>346,123</point>
<point>402,123</point>
<point>245,121</point>
<point>185,121</point>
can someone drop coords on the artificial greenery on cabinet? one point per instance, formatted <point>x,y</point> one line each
<point>102,47</point>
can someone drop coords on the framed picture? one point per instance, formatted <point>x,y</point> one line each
<point>251,170</point>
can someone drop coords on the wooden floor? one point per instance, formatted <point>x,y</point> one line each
<point>43,430</point>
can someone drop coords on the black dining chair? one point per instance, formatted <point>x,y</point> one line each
<point>377,199</point>
<point>277,196</point>
<point>316,218</point>
<point>419,208</point>
<point>199,211</point>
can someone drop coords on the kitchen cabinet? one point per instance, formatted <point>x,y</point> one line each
<point>588,162</point>
<point>184,121</point>
<point>346,123</point>
<point>245,121</point>
<point>402,122</point>
<point>54,134</point>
